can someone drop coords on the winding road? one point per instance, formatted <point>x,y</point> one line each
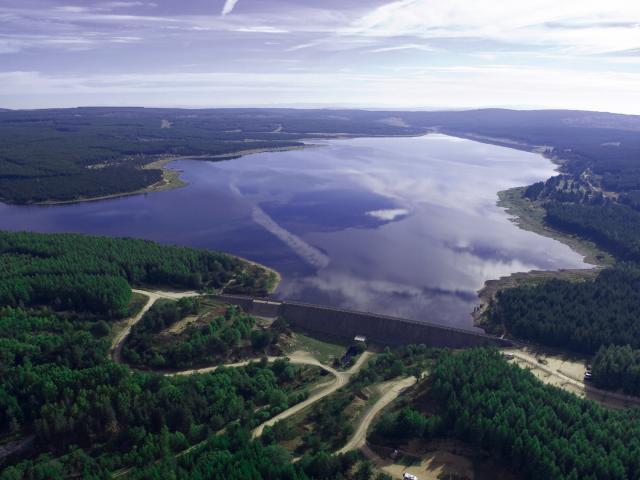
<point>341,378</point>
<point>118,341</point>
<point>392,390</point>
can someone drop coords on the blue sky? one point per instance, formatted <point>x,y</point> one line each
<point>409,54</point>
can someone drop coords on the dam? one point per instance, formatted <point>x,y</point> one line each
<point>380,329</point>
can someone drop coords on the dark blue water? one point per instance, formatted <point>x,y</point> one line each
<point>402,226</point>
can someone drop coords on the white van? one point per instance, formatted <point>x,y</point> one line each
<point>408,476</point>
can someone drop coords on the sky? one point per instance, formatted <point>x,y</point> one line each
<point>386,54</point>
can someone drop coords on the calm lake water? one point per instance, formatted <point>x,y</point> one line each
<point>402,226</point>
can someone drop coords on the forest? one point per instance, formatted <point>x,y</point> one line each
<point>617,367</point>
<point>93,274</point>
<point>234,457</point>
<point>538,430</point>
<point>329,423</point>
<point>613,226</point>
<point>221,335</point>
<point>69,154</point>
<point>75,412</point>
<point>579,316</point>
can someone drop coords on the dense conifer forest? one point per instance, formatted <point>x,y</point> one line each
<point>579,316</point>
<point>66,409</point>
<point>93,274</point>
<point>613,226</point>
<point>617,368</point>
<point>539,430</point>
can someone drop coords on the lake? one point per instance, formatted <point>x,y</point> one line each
<point>405,226</point>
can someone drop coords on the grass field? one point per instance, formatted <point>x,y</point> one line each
<point>325,349</point>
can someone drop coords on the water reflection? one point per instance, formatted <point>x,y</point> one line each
<point>403,226</point>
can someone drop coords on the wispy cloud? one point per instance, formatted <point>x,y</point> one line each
<point>414,53</point>
<point>228,7</point>
<point>588,26</point>
<point>406,46</point>
<point>437,87</point>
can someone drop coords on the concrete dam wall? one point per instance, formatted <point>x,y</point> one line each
<point>381,329</point>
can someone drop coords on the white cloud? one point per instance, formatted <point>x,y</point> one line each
<point>259,29</point>
<point>588,26</point>
<point>388,215</point>
<point>123,4</point>
<point>406,46</point>
<point>434,87</point>
<point>229,5</point>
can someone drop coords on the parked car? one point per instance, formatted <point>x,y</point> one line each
<point>408,476</point>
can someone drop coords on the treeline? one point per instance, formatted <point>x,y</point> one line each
<point>580,316</point>
<point>617,368</point>
<point>84,184</point>
<point>68,271</point>
<point>538,430</point>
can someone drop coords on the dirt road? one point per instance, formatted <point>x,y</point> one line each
<point>391,391</point>
<point>152,296</point>
<point>341,379</point>
<point>555,372</point>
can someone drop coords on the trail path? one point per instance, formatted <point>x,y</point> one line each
<point>391,391</point>
<point>152,296</point>
<point>341,378</point>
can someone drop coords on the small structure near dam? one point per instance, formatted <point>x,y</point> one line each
<point>380,329</point>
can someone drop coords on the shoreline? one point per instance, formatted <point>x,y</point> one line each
<point>278,276</point>
<point>528,216</point>
<point>170,178</point>
<point>525,214</point>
